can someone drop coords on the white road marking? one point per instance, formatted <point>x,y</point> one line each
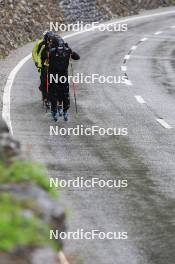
<point>7,92</point>
<point>124,68</point>
<point>144,39</point>
<point>172,27</point>
<point>134,47</point>
<point>62,258</point>
<point>153,57</point>
<point>140,99</point>
<point>128,82</point>
<point>127,57</point>
<point>141,17</point>
<point>7,89</point>
<point>158,32</point>
<point>163,123</point>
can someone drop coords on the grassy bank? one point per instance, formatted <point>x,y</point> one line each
<point>21,223</point>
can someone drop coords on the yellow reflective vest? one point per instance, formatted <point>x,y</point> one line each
<point>40,62</point>
<point>35,53</point>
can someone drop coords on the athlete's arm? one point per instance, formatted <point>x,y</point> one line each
<point>74,55</point>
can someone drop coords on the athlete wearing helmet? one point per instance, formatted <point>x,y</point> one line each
<point>39,44</point>
<point>59,56</point>
<point>39,47</point>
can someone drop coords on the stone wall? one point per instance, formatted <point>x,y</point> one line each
<point>81,10</point>
<point>97,10</point>
<point>23,21</point>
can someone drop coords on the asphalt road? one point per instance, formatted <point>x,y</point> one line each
<point>146,157</point>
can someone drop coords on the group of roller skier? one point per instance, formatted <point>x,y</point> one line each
<point>52,56</point>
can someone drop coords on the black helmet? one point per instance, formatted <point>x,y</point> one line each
<point>48,35</point>
<point>57,41</point>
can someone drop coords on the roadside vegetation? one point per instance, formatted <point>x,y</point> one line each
<point>21,223</point>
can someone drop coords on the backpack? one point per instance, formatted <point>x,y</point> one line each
<point>59,59</point>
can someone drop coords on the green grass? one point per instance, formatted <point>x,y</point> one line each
<point>20,222</point>
<point>25,172</point>
<point>16,229</point>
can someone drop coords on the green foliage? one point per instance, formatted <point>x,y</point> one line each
<point>25,172</point>
<point>18,229</point>
<point>20,222</point>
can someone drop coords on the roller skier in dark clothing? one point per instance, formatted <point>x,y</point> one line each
<point>59,56</point>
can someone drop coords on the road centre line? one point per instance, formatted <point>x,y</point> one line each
<point>127,57</point>
<point>128,82</point>
<point>123,68</point>
<point>163,123</point>
<point>134,47</point>
<point>144,39</point>
<point>139,99</point>
<point>158,32</point>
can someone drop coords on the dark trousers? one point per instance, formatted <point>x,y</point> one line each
<point>43,85</point>
<point>59,94</point>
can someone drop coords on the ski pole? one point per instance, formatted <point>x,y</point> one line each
<point>47,72</point>
<point>74,90</point>
<point>47,81</point>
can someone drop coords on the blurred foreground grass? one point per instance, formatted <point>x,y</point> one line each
<point>20,224</point>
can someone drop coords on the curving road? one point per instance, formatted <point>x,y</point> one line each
<point>146,157</point>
